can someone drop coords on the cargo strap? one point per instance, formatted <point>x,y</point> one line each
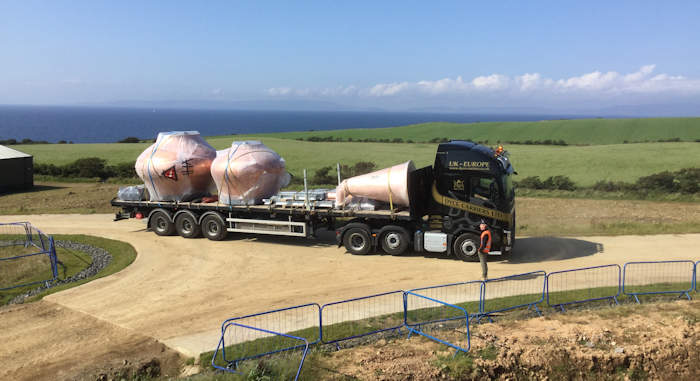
<point>391,200</point>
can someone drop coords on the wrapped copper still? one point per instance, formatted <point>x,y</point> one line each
<point>389,185</point>
<point>177,166</point>
<point>248,172</point>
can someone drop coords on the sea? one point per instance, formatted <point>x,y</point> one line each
<point>111,124</point>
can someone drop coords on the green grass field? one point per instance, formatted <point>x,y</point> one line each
<point>70,263</point>
<point>581,131</point>
<point>583,164</point>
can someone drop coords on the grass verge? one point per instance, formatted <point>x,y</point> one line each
<point>73,261</point>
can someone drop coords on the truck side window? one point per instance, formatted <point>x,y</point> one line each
<point>484,187</point>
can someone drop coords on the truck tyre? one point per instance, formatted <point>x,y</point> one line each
<point>466,247</point>
<point>186,226</point>
<point>213,227</point>
<point>160,223</point>
<point>395,240</point>
<point>356,240</point>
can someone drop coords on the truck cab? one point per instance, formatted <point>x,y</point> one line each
<point>471,183</point>
<point>467,183</point>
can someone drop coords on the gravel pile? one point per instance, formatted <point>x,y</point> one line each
<point>100,259</point>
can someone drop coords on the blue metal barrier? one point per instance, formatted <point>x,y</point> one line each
<point>378,313</point>
<point>419,329</point>
<point>513,291</point>
<point>658,277</point>
<point>695,278</point>
<point>302,320</point>
<point>464,294</point>
<point>232,366</point>
<point>25,235</point>
<point>597,282</point>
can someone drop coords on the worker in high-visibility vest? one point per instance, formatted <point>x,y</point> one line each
<point>484,248</point>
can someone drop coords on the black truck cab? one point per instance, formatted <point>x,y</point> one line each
<point>470,183</point>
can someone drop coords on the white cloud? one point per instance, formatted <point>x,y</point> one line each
<point>279,91</point>
<point>528,81</point>
<point>383,89</point>
<point>594,84</point>
<point>491,82</point>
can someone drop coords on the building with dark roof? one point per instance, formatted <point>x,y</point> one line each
<point>16,170</point>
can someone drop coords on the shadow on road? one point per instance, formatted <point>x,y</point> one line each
<point>538,249</point>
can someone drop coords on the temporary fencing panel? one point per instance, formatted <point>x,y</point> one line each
<point>452,331</point>
<point>583,285</point>
<point>290,343</point>
<point>274,332</point>
<point>658,277</point>
<point>27,256</point>
<point>421,311</point>
<point>353,318</point>
<point>513,291</point>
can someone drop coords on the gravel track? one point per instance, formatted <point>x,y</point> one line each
<point>178,291</point>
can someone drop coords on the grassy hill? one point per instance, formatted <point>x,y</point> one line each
<point>583,164</point>
<point>602,158</point>
<point>581,131</point>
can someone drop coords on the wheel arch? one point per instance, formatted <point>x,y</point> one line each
<point>186,211</point>
<point>167,213</point>
<point>210,213</point>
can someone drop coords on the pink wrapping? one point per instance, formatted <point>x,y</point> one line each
<point>389,185</point>
<point>176,167</point>
<point>248,172</point>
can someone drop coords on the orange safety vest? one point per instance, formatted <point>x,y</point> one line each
<point>486,249</point>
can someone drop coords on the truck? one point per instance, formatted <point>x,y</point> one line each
<point>467,184</point>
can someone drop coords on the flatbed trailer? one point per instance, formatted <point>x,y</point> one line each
<point>468,183</point>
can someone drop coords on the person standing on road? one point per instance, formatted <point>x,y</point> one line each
<point>484,248</point>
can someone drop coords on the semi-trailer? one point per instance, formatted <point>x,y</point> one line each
<point>468,183</point>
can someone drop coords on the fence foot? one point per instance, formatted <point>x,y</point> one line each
<point>562,308</point>
<point>337,346</point>
<point>615,300</point>
<point>636,298</point>
<point>539,313</point>
<point>686,295</point>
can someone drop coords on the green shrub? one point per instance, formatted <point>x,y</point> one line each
<point>663,181</point>
<point>324,175</point>
<point>531,182</point>
<point>559,183</point>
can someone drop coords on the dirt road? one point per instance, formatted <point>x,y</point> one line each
<point>179,291</point>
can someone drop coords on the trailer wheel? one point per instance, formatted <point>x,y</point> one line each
<point>186,226</point>
<point>357,241</point>
<point>161,225</point>
<point>466,247</point>
<point>213,227</point>
<point>394,240</point>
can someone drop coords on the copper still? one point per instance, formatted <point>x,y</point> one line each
<point>177,166</point>
<point>389,185</point>
<point>248,172</point>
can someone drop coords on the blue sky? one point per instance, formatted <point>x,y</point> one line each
<point>394,55</point>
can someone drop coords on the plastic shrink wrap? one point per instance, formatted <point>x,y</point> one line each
<point>389,185</point>
<point>177,166</point>
<point>131,193</point>
<point>248,172</point>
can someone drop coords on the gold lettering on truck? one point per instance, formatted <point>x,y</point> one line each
<point>469,165</point>
<point>469,207</point>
